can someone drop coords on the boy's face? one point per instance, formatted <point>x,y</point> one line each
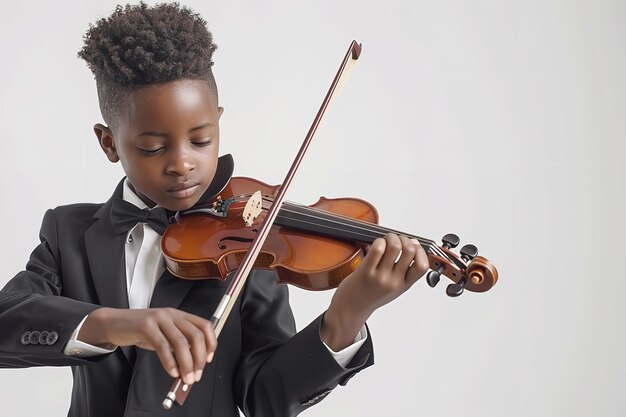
<point>167,142</point>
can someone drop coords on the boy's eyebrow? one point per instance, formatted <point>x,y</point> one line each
<point>164,135</point>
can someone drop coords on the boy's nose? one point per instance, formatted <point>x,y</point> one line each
<point>180,163</point>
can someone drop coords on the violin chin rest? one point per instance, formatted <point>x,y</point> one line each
<point>223,174</point>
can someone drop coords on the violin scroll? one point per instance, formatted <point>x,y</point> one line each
<point>468,271</point>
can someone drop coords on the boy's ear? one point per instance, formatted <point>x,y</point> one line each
<point>105,139</point>
<point>220,110</point>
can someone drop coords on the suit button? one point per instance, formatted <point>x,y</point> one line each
<point>34,337</point>
<point>25,338</point>
<point>52,338</point>
<point>43,336</point>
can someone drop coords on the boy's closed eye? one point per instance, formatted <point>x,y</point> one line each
<point>202,143</point>
<point>153,151</point>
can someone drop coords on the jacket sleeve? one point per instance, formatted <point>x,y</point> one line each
<point>282,373</point>
<point>36,321</point>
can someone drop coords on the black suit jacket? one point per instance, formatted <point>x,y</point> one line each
<point>260,365</point>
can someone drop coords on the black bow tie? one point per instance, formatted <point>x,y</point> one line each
<point>125,215</point>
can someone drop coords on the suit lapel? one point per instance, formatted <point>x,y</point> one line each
<point>105,252</point>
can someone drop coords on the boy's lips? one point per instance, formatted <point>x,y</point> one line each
<point>183,189</point>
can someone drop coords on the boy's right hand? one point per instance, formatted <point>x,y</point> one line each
<point>183,342</point>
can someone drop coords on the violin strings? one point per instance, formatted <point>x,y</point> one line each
<point>370,230</point>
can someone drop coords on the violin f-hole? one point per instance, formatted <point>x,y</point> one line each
<point>222,245</point>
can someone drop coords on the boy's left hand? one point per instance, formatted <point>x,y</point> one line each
<point>378,280</point>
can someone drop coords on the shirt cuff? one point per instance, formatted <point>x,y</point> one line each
<point>77,348</point>
<point>344,356</point>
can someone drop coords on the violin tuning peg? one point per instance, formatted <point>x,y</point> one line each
<point>450,241</point>
<point>434,276</point>
<point>468,252</point>
<point>454,290</point>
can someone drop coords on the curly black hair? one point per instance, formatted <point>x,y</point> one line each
<point>140,45</point>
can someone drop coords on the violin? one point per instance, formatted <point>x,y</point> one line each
<point>242,223</point>
<point>312,247</point>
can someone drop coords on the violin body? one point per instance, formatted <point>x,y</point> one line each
<point>200,246</point>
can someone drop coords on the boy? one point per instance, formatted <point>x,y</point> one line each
<point>95,288</point>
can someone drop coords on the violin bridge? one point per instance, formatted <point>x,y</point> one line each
<point>253,208</point>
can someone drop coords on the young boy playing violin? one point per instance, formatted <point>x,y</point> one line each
<point>96,296</point>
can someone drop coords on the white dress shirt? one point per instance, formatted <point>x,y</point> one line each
<point>144,266</point>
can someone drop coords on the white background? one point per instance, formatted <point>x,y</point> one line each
<point>500,121</point>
